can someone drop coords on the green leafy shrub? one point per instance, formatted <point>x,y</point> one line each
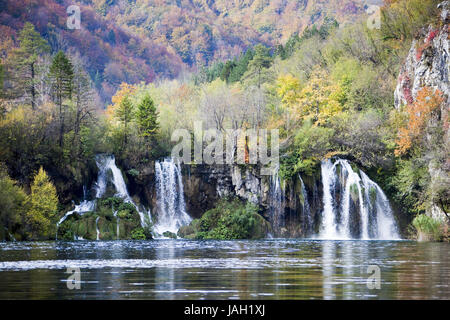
<point>169,234</point>
<point>112,202</point>
<point>138,234</point>
<point>133,172</point>
<point>126,211</point>
<point>228,220</point>
<point>65,232</point>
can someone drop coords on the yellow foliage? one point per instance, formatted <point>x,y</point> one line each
<point>288,89</point>
<point>44,204</point>
<point>320,99</point>
<point>125,89</point>
<point>332,154</point>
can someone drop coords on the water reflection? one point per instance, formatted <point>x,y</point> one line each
<point>269,269</point>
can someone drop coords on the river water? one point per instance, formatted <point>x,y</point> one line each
<point>266,269</point>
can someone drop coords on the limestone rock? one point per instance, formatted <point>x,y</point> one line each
<point>427,63</point>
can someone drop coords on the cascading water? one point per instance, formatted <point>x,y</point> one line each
<point>105,164</point>
<point>386,227</point>
<point>361,210</point>
<point>276,203</point>
<point>307,219</point>
<point>328,215</point>
<point>96,228</point>
<point>83,207</point>
<point>171,208</point>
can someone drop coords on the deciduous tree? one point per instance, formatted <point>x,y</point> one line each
<point>44,205</point>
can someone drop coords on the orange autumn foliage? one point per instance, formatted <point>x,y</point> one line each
<point>419,112</point>
<point>124,90</point>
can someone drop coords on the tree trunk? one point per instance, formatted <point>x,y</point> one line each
<point>33,91</point>
<point>61,119</point>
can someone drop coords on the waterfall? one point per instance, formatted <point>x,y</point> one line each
<point>306,209</point>
<point>276,204</point>
<point>386,228</point>
<point>83,207</point>
<point>96,228</point>
<point>171,210</point>
<point>353,205</point>
<point>105,164</point>
<point>328,214</point>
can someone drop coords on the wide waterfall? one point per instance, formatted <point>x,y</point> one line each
<point>354,207</point>
<point>171,209</point>
<point>108,172</point>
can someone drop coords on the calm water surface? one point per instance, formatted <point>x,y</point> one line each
<point>266,269</point>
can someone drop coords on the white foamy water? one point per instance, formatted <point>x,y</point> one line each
<point>171,208</point>
<point>360,196</point>
<point>106,164</point>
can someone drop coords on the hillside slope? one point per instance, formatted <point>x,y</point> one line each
<point>111,54</point>
<point>142,40</point>
<point>204,30</point>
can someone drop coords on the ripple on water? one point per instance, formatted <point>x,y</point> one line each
<point>280,268</point>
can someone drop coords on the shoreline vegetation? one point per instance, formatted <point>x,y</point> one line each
<point>328,89</point>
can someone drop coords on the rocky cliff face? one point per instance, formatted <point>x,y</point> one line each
<point>204,185</point>
<point>428,65</point>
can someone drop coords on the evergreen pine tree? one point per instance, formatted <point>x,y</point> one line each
<point>61,76</point>
<point>147,119</point>
<point>261,60</point>
<point>25,58</point>
<point>124,113</point>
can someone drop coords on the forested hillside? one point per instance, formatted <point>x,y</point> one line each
<point>133,41</point>
<point>205,31</point>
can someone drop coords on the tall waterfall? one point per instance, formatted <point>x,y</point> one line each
<point>105,164</point>
<point>353,205</point>
<point>171,209</point>
<point>276,203</point>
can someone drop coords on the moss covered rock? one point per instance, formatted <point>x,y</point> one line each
<point>113,218</point>
<point>230,219</point>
